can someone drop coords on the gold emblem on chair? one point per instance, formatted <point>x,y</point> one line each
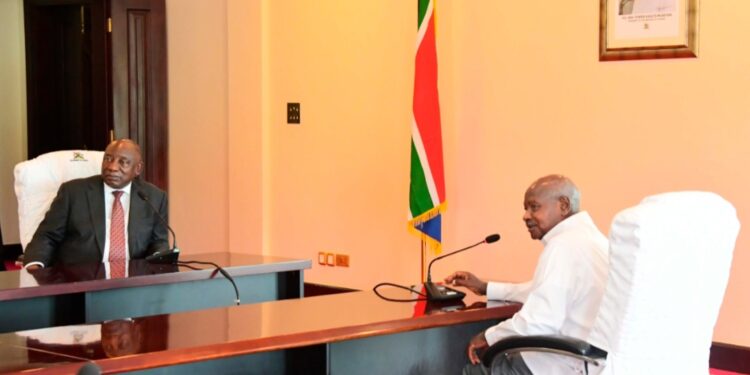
<point>78,156</point>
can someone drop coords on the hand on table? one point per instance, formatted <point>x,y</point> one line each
<point>468,280</point>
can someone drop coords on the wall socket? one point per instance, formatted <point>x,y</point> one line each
<point>342,260</point>
<point>333,259</point>
<point>293,115</point>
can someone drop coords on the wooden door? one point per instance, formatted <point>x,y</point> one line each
<point>97,69</point>
<point>139,81</point>
<point>67,81</point>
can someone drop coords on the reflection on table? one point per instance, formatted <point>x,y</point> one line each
<point>336,334</point>
<point>76,294</point>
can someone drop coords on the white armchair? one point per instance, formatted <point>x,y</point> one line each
<point>37,181</point>
<point>669,258</point>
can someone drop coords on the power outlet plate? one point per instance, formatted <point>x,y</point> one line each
<point>342,260</point>
<point>293,115</point>
<point>322,258</point>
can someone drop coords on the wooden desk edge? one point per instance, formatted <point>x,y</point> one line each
<point>266,344</point>
<point>147,280</point>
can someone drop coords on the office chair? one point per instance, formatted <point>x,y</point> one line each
<point>669,260</point>
<point>37,181</point>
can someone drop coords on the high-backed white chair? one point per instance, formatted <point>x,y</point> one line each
<point>37,181</point>
<point>669,258</point>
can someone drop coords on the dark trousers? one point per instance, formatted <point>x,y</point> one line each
<point>511,364</point>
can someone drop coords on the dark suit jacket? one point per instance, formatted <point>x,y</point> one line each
<point>73,229</point>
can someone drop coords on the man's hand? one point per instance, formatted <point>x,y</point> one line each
<point>33,267</point>
<point>477,346</point>
<point>468,280</point>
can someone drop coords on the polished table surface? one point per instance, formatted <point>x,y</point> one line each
<point>91,277</point>
<point>78,294</point>
<point>178,338</point>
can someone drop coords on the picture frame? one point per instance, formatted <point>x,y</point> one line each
<point>647,29</point>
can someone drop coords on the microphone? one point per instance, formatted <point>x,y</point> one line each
<point>163,256</point>
<point>441,292</point>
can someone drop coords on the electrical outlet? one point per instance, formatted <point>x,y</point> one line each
<point>322,258</point>
<point>293,114</point>
<point>342,260</point>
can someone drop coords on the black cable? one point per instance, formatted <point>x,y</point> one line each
<point>375,289</point>
<point>191,267</point>
<point>217,268</point>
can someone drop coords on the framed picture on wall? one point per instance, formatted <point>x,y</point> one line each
<point>647,29</point>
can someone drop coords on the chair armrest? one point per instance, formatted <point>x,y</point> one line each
<point>562,345</point>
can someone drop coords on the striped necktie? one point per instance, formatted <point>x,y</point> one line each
<point>117,230</point>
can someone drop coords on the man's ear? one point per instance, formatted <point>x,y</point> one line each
<point>564,206</point>
<point>138,168</point>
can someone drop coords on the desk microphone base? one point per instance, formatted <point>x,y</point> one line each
<point>167,257</point>
<point>437,292</point>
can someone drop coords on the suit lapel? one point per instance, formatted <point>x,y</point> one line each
<point>95,196</point>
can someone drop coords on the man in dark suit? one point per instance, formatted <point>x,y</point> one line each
<point>104,217</point>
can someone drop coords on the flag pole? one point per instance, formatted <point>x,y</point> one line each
<point>427,183</point>
<point>424,258</point>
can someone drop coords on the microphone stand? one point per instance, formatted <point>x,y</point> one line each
<point>171,256</point>
<point>437,292</point>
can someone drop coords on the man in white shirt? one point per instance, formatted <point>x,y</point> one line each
<point>564,295</point>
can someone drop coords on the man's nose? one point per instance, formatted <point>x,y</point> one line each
<point>110,165</point>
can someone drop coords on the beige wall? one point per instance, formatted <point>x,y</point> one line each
<point>338,180</point>
<point>523,104</point>
<point>12,111</point>
<point>522,95</point>
<point>215,124</point>
<point>198,131</point>
<point>245,133</point>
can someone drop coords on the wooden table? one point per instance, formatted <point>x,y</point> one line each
<point>79,294</point>
<point>348,333</point>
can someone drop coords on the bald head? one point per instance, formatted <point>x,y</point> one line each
<point>121,337</point>
<point>128,143</point>
<point>548,201</point>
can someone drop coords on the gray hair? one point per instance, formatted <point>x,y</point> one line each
<point>560,186</point>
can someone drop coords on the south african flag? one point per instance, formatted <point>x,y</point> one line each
<point>427,187</point>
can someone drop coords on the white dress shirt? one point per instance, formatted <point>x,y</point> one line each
<point>109,200</point>
<point>564,296</point>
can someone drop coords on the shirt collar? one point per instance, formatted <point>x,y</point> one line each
<point>571,221</point>
<point>108,189</point>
